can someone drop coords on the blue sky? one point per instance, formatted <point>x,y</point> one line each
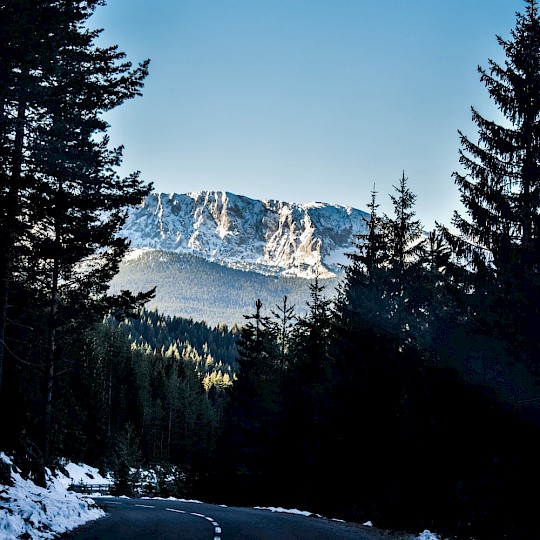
<point>305,100</point>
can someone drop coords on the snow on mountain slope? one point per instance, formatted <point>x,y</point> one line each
<point>271,237</point>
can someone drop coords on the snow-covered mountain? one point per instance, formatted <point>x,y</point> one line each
<point>270,237</point>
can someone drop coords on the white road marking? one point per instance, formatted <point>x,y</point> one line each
<point>144,506</point>
<point>217,528</point>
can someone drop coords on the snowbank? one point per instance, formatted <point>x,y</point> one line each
<point>39,513</point>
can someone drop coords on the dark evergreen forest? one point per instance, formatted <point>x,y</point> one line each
<point>409,397</point>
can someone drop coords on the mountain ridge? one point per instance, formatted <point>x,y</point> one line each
<point>267,236</point>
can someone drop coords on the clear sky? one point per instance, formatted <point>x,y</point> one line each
<point>305,100</point>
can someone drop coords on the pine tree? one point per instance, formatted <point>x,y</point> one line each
<point>253,425</point>
<point>499,242</point>
<point>313,329</point>
<point>281,327</point>
<point>381,283</point>
<point>255,346</point>
<point>21,103</point>
<point>362,290</point>
<point>405,244</point>
<point>72,204</point>
<point>126,462</point>
<point>439,294</point>
<point>308,390</point>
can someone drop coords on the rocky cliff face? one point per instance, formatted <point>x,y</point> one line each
<point>270,237</point>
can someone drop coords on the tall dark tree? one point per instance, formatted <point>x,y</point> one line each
<point>20,104</point>
<point>499,241</point>
<point>255,344</point>
<point>381,282</point>
<point>312,333</point>
<point>440,293</point>
<point>362,290</point>
<point>307,389</point>
<point>405,246</point>
<point>64,199</point>
<point>281,328</point>
<point>252,435</point>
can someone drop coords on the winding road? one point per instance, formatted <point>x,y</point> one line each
<point>137,519</point>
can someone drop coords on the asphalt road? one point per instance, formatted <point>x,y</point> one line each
<point>137,519</point>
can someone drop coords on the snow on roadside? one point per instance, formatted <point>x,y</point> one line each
<point>39,513</point>
<point>286,510</point>
<point>82,474</point>
<point>426,535</point>
<point>35,513</point>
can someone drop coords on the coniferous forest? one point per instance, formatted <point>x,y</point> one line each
<point>409,397</point>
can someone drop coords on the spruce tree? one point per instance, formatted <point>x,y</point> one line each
<point>362,290</point>
<point>313,329</point>
<point>439,293</point>
<point>307,389</point>
<point>281,328</point>
<point>405,246</point>
<point>499,240</point>
<point>252,437</point>
<point>381,283</point>
<point>65,203</point>
<point>21,106</point>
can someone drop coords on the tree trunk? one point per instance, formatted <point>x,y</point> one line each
<point>169,433</point>
<point>9,234</point>
<point>51,350</point>
<point>109,401</point>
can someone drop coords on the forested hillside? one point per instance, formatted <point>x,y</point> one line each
<point>191,287</point>
<point>155,332</point>
<point>407,395</point>
<point>213,350</point>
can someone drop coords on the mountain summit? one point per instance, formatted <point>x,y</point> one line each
<point>269,237</point>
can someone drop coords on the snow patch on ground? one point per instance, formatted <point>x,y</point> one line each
<point>427,535</point>
<point>32,512</point>
<point>286,510</point>
<point>82,474</point>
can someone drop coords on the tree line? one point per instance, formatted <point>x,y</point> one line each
<point>408,398</point>
<point>168,335</point>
